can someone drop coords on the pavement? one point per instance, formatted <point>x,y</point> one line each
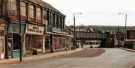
<point>86,52</point>
<point>103,58</point>
<point>127,49</point>
<point>38,57</point>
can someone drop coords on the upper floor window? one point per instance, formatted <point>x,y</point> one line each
<point>38,15</point>
<point>44,17</point>
<point>23,11</point>
<point>31,13</point>
<point>12,7</point>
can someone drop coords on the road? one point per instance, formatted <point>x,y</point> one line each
<point>88,58</point>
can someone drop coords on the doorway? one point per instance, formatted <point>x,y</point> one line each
<point>14,40</point>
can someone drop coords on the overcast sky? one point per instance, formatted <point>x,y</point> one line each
<point>96,12</point>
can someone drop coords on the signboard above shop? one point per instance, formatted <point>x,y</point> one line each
<point>34,29</point>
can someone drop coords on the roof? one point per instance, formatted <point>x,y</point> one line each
<point>46,5</point>
<point>37,2</point>
<point>81,28</point>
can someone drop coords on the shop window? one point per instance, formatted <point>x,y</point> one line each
<point>34,41</point>
<point>14,28</point>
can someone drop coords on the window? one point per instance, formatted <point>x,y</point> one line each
<point>55,20</point>
<point>31,13</point>
<point>12,7</point>
<point>23,11</point>
<point>38,15</point>
<point>44,17</point>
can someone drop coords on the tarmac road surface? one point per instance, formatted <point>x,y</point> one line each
<point>87,58</point>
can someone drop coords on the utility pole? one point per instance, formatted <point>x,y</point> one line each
<point>74,20</point>
<point>125,26</point>
<point>5,14</point>
<point>74,42</point>
<point>20,32</point>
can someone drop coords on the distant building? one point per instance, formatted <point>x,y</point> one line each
<point>86,36</point>
<point>130,40</point>
<point>109,36</point>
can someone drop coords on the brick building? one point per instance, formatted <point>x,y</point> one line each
<point>30,23</point>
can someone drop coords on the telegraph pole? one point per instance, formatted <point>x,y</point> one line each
<point>20,32</point>
<point>74,20</point>
<point>125,26</point>
<point>74,42</point>
<point>5,14</point>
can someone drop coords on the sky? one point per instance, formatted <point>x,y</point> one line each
<point>97,12</point>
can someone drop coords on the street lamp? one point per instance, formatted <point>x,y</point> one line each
<point>125,21</point>
<point>74,20</point>
<point>20,28</point>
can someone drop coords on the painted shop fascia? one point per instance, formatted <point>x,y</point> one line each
<point>33,27</point>
<point>42,28</point>
<point>56,37</point>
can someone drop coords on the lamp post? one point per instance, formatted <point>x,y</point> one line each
<point>125,26</point>
<point>74,20</point>
<point>20,30</point>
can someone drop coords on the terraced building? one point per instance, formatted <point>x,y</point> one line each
<point>28,25</point>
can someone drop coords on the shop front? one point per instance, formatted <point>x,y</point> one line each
<point>58,42</point>
<point>15,39</point>
<point>34,38</point>
<point>61,41</point>
<point>69,42</point>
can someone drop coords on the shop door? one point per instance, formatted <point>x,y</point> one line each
<point>14,45</point>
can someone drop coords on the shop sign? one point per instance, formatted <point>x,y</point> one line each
<point>34,29</point>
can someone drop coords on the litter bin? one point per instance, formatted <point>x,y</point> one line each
<point>34,51</point>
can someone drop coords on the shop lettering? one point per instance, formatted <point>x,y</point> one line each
<point>35,29</point>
